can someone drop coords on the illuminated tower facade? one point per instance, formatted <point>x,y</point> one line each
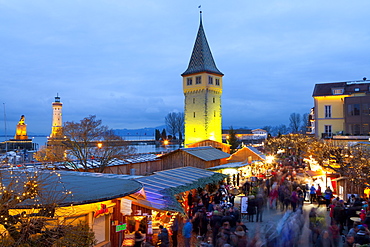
<point>202,86</point>
<point>57,118</point>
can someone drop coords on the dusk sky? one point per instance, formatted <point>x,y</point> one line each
<point>122,60</point>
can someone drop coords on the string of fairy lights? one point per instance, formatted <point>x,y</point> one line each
<point>27,193</point>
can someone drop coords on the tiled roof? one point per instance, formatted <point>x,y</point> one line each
<point>257,152</point>
<point>206,153</point>
<point>86,187</point>
<point>326,89</point>
<point>161,187</point>
<point>201,59</point>
<point>132,159</point>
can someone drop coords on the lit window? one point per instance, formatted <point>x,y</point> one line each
<point>210,80</point>
<point>328,111</point>
<point>217,81</point>
<point>189,81</point>
<point>338,91</point>
<point>198,80</point>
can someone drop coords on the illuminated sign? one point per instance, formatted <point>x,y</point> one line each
<point>121,227</point>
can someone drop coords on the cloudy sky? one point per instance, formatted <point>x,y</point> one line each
<point>121,60</point>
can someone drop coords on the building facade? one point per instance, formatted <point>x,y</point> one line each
<point>202,86</point>
<point>341,108</point>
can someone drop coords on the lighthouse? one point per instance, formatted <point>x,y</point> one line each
<point>57,118</point>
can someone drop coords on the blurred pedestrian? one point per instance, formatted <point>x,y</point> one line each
<point>328,195</point>
<point>186,232</point>
<point>163,237</point>
<point>312,194</point>
<point>260,204</point>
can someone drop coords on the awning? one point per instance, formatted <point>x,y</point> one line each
<point>234,165</point>
<point>161,188</point>
<point>315,173</point>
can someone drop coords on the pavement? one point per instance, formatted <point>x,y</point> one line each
<point>273,216</point>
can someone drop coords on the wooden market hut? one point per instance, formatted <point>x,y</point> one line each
<point>200,157</point>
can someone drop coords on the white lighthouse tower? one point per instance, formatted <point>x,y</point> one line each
<point>57,118</point>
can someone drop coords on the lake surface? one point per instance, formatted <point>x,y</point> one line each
<point>41,141</point>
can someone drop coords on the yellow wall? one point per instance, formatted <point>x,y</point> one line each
<point>203,100</point>
<point>337,118</point>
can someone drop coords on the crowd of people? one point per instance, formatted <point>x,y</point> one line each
<point>212,220</point>
<point>349,222</point>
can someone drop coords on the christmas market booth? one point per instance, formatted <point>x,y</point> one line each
<point>52,199</point>
<point>236,172</point>
<point>166,200</point>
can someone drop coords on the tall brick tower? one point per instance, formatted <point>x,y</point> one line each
<point>202,86</point>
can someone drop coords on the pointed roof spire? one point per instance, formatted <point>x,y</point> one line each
<point>201,59</point>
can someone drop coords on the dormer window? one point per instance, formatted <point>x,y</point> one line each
<point>337,91</point>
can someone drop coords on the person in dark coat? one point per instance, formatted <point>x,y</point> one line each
<point>251,210</point>
<point>139,239</point>
<point>215,223</point>
<point>259,207</point>
<point>175,231</point>
<point>339,215</point>
<point>163,237</point>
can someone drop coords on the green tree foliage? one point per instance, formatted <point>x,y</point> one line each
<point>232,140</point>
<point>157,134</point>
<point>164,135</point>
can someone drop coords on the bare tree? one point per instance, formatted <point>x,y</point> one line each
<point>180,120</point>
<point>295,122</point>
<point>305,123</point>
<point>89,140</point>
<point>28,202</point>
<point>171,123</point>
<point>175,123</point>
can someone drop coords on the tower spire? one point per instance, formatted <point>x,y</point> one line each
<point>201,58</point>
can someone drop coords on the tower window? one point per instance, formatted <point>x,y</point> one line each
<point>198,80</point>
<point>214,113</point>
<point>194,114</point>
<point>217,81</point>
<point>214,100</point>
<point>194,129</point>
<point>193,100</point>
<point>210,80</point>
<point>189,81</point>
